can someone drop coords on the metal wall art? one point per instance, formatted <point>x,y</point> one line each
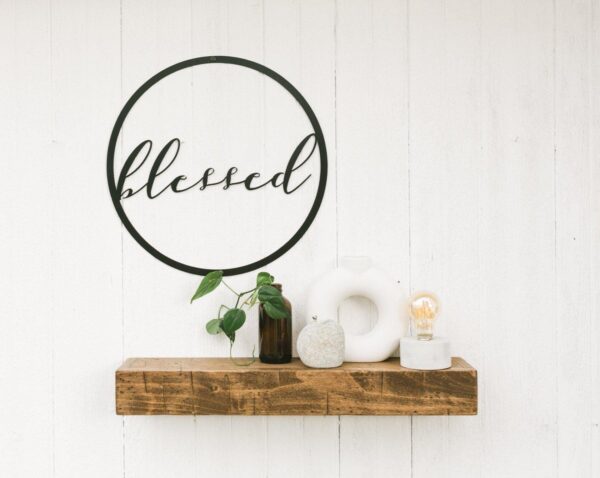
<point>148,170</point>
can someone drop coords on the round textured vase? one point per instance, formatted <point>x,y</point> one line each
<point>321,344</point>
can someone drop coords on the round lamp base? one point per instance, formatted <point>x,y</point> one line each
<point>431,354</point>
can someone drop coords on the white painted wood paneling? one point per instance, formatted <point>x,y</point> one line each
<point>86,240</point>
<point>463,142</point>
<point>154,35</point>
<point>573,169</point>
<point>517,240</point>
<point>28,234</point>
<point>445,170</point>
<point>594,172</point>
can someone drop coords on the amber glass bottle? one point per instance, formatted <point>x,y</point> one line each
<point>275,335</point>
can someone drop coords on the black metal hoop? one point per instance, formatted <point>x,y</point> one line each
<point>234,61</point>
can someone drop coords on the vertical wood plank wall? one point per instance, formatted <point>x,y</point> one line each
<point>463,140</point>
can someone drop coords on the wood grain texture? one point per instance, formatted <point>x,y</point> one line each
<point>216,386</point>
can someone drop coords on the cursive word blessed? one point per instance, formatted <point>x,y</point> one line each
<point>180,183</point>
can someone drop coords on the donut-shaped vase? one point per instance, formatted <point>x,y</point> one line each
<point>328,292</point>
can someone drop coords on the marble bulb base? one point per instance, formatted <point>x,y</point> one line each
<point>431,354</point>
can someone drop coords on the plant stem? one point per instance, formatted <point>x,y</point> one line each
<point>221,308</point>
<point>241,295</point>
<point>242,364</point>
<point>227,285</point>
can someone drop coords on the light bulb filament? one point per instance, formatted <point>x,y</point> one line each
<point>423,310</point>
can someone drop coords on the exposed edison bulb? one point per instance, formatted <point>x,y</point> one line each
<point>423,309</point>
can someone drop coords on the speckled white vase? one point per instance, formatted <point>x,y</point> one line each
<point>321,344</point>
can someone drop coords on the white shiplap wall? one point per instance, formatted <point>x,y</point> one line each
<point>463,141</point>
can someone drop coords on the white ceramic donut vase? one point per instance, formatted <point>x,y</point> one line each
<point>380,342</point>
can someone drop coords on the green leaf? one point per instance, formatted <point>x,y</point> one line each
<point>264,278</point>
<point>268,293</point>
<point>232,321</point>
<point>214,326</point>
<point>276,310</point>
<point>209,283</point>
<point>272,301</point>
<point>230,336</point>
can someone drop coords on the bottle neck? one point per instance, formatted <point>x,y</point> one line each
<point>277,286</point>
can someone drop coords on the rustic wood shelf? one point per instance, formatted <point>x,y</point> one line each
<point>215,386</point>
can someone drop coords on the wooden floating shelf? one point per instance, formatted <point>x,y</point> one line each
<point>215,386</point>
